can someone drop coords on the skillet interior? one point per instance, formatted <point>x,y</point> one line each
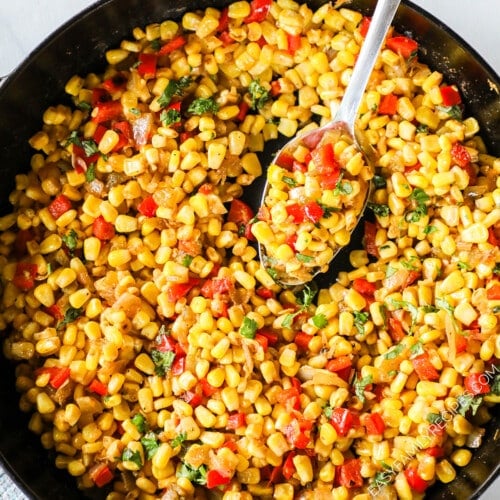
<point>79,47</point>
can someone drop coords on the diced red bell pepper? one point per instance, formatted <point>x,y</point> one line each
<point>450,95</point>
<point>189,247</point>
<point>396,330</point>
<point>493,239</point>
<point>115,83</point>
<point>460,155</point>
<point>302,340</point>
<point>288,469</point>
<point>374,424</point>
<point>59,205</point>
<point>98,387</point>
<point>285,160</point>
<point>460,343</point>
<point>100,130</point>
<point>168,343</point>
<point>185,135</point>
<point>231,445</point>
<point>176,291</point>
<point>338,364</point>
<point>25,275</point>
<point>402,45</point>
<point>193,398</point>
<point>294,43</point>
<point>413,168</point>
<point>258,11</point>
<point>101,474</point>
<point>216,478</point>
<point>106,111</point>
<point>207,388</point>
<point>244,107</point>
<point>364,287</point>
<point>226,40</point>
<point>174,44</point>
<point>148,207</point>
<point>264,293</point>
<point>99,95</point>
<point>236,420</point>
<point>271,337</point>
<point>415,482</point>
<point>147,65</point>
<point>222,285</point>
<point>388,104</point>
<point>477,383</point>
<point>370,237</point>
<point>275,88</point>
<point>297,438</point>
<point>290,398</point>
<point>493,292</point>
<point>435,451</point>
<point>241,214</point>
<point>343,420</point>
<point>291,240</point>
<point>206,189</point>
<point>349,473</point>
<point>223,20</point>
<point>58,375</point>
<point>262,340</point>
<point>55,311</point>
<point>364,26</point>
<point>310,211</point>
<point>326,165</point>
<point>424,368</point>
<point>178,366</point>
<point>413,276</point>
<point>125,129</point>
<point>103,229</point>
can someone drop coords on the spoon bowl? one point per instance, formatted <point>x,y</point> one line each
<point>318,184</point>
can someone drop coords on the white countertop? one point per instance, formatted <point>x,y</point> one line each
<point>27,23</point>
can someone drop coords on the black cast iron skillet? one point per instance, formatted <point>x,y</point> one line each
<point>79,47</point>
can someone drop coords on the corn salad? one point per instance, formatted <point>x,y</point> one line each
<point>158,359</point>
<point>308,182</point>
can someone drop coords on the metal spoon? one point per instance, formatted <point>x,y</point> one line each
<point>342,125</point>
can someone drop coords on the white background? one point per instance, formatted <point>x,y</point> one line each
<point>24,24</point>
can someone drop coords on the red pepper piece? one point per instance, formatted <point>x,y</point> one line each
<point>288,466</point>
<point>231,445</point>
<point>223,20</point>
<point>101,474</point>
<point>285,160</point>
<point>343,420</point>
<point>313,211</point>
<point>226,39</point>
<point>176,291</point>
<point>222,285</point>
<point>271,337</point>
<point>244,107</point>
<point>435,451</point>
<point>106,111</point>
<point>275,88</point>
<point>262,340</point>
<point>349,473</point>
<point>99,95</point>
<point>450,95</point>
<point>402,45</point>
<point>290,398</point>
<point>258,11</point>
<point>291,240</point>
<point>115,83</point>
<point>98,387</point>
<point>264,293</point>
<point>413,276</point>
<point>99,133</point>
<point>460,155</point>
<point>364,25</point>
<point>374,424</point>
<point>103,229</point>
<point>370,236</point>
<point>338,364</point>
<point>241,214</point>
<point>477,383</point>
<point>193,398</point>
<point>148,207</point>
<point>24,276</point>
<point>206,189</point>
<point>55,311</point>
<point>388,104</point>
<point>415,482</point>
<point>424,368</point>
<point>147,65</point>
<point>216,478</point>
<point>294,43</point>
<point>58,375</point>
<point>396,330</point>
<point>460,343</point>
<point>174,44</point>
<point>326,165</point>
<point>364,287</point>
<point>493,292</point>
<point>302,340</point>
<point>178,366</point>
<point>493,239</point>
<point>59,205</point>
<point>207,388</point>
<point>236,420</point>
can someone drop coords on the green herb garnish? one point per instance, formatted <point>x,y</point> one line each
<point>174,87</point>
<point>132,456</point>
<point>150,444</point>
<point>379,209</point>
<point>454,112</point>
<point>430,229</point>
<point>203,105</point>
<point>248,328</point>
<point>304,258</point>
<point>196,476</point>
<point>186,260</point>
<point>71,314</point>
<point>360,386</point>
<point>163,361</point>
<point>379,182</point>
<point>435,418</point>
<point>342,187</point>
<point>178,440</point>
<point>394,352</point>
<point>169,117</point>
<point>360,318</point>
<point>289,181</point>
<point>90,173</point>
<point>468,402</point>
<point>258,94</point>
<point>319,320</point>
<point>140,422</point>
<point>70,240</point>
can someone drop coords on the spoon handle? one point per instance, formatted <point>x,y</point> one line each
<point>383,15</point>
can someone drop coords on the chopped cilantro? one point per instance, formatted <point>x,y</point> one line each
<point>403,304</point>
<point>422,129</point>
<point>307,296</point>
<point>390,271</point>
<point>186,260</point>
<point>248,328</point>
<point>342,187</point>
<point>419,196</point>
<point>327,211</point>
<point>70,239</point>
<point>178,440</point>
<point>174,87</point>
<point>196,476</point>
<point>360,386</point>
<point>435,418</point>
<point>463,266</point>
<point>454,112</point>
<point>289,181</point>
<point>429,309</point>
<point>408,264</point>
<point>360,318</point>
<point>163,361</point>
<point>203,105</point>
<point>394,352</point>
<point>319,320</point>
<point>150,444</point>
<point>135,111</point>
<point>288,320</point>
<point>444,304</point>
<point>90,147</point>
<point>84,106</point>
<point>417,348</point>
<point>258,94</point>
<point>272,272</point>
<point>392,373</point>
<point>379,182</point>
<point>430,229</point>
<point>379,209</point>
<point>468,402</point>
<point>304,258</point>
<point>156,44</point>
<point>140,422</point>
<point>71,314</point>
<point>132,456</point>
<point>382,478</point>
<point>496,310</point>
<point>496,269</point>
<point>169,117</point>
<point>328,411</point>
<point>90,173</point>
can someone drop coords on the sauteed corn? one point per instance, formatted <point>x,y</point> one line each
<point>157,359</point>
